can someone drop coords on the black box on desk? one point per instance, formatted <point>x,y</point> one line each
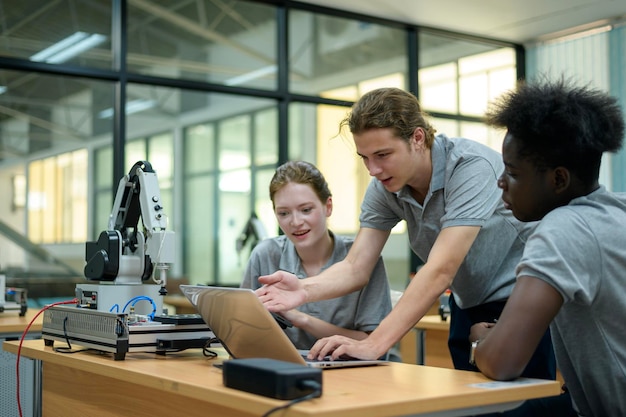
<point>271,378</point>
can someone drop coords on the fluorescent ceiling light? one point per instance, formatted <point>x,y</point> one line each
<point>3,89</point>
<point>252,75</point>
<point>134,106</point>
<point>68,48</point>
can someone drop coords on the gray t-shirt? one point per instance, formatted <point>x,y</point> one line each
<point>463,192</point>
<point>580,250</point>
<point>360,310</point>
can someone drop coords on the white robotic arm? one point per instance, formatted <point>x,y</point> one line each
<point>123,253</point>
<point>129,314</point>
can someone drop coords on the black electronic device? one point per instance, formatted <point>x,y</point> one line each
<point>272,378</point>
<point>179,319</point>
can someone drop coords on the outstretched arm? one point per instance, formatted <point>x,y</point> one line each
<point>433,278</point>
<point>283,291</point>
<point>504,349</point>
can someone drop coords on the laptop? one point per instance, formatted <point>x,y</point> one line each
<point>246,329</point>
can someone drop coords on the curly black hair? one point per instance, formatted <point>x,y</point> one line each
<point>559,124</point>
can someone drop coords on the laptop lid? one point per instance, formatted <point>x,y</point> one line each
<point>247,329</point>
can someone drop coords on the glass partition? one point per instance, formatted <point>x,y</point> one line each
<point>47,125</point>
<point>57,32</point>
<point>223,155</point>
<point>329,53</point>
<point>44,114</point>
<point>232,44</point>
<point>458,77</point>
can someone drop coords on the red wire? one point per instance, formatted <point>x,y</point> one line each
<point>19,349</point>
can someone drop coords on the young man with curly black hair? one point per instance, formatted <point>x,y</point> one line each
<point>572,275</point>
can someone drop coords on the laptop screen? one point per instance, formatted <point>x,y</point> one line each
<point>244,326</point>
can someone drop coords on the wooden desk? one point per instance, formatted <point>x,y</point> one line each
<point>12,324</point>
<point>186,383</point>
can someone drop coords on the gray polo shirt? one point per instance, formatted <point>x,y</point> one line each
<point>579,250</point>
<point>463,192</point>
<point>360,310</point>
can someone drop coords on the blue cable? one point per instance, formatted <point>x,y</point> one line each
<point>135,300</point>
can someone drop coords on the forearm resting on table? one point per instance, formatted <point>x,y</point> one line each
<point>500,359</point>
<point>508,346</point>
